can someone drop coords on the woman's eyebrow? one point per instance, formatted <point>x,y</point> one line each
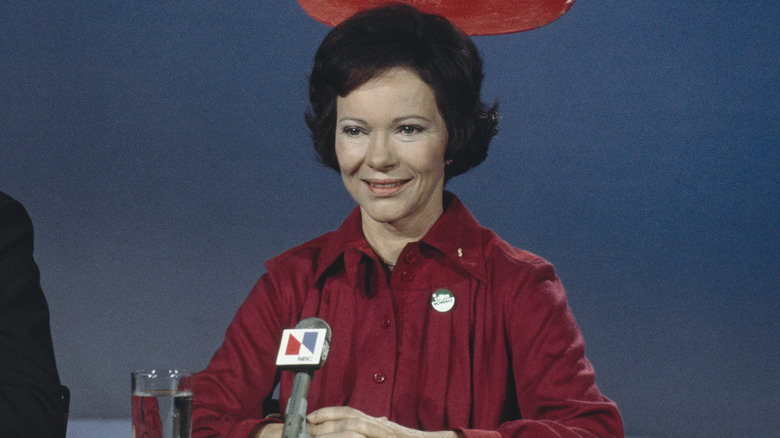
<point>414,116</point>
<point>352,119</point>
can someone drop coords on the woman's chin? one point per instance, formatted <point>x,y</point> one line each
<point>385,214</point>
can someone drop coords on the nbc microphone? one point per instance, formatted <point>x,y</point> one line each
<point>303,350</point>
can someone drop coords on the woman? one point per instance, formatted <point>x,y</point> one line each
<point>439,328</point>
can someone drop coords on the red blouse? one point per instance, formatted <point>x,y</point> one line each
<point>507,359</point>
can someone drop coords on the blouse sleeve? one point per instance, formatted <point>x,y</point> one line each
<point>233,394</point>
<point>554,381</point>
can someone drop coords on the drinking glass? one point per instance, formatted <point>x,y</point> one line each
<point>162,403</point>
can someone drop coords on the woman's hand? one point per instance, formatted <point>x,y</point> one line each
<point>346,422</point>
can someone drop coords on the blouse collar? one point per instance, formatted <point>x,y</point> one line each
<point>457,235</point>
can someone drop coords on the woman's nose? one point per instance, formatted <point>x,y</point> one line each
<point>380,154</point>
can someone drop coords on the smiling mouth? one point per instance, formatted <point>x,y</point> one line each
<point>387,187</point>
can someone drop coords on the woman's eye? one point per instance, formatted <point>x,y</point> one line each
<point>410,129</point>
<point>352,131</point>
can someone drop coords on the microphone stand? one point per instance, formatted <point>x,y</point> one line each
<point>295,414</point>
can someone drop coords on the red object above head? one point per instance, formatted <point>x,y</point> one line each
<point>474,17</point>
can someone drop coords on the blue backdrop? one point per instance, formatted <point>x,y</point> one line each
<point>161,152</point>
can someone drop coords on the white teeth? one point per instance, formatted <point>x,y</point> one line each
<point>385,186</point>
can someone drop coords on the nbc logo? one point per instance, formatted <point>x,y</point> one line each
<point>307,341</point>
<point>301,347</point>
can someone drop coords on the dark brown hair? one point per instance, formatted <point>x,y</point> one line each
<point>376,40</point>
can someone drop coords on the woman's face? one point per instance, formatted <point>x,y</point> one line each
<point>390,144</point>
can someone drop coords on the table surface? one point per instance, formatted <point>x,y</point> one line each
<point>113,428</point>
<point>99,428</point>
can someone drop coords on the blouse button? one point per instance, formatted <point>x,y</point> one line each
<point>407,276</point>
<point>379,377</point>
<point>385,323</point>
<point>410,258</point>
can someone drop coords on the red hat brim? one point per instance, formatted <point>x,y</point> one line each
<point>474,17</point>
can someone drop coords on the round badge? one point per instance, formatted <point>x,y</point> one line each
<point>443,300</point>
